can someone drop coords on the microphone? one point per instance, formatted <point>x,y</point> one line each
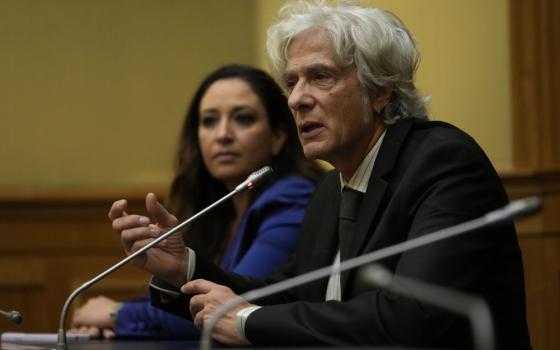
<point>474,308</point>
<point>13,316</point>
<point>253,179</point>
<point>513,210</point>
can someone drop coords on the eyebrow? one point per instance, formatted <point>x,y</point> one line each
<point>235,109</point>
<point>314,68</point>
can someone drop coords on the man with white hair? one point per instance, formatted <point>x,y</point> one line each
<point>349,74</point>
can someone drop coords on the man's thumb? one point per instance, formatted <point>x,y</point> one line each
<point>161,215</point>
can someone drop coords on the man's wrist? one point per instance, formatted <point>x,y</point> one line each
<point>191,263</point>
<point>185,271</point>
<point>241,318</point>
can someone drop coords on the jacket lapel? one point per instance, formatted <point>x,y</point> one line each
<point>327,242</point>
<point>385,161</point>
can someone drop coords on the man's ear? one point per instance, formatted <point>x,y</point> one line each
<point>382,99</point>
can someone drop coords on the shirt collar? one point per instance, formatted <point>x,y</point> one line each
<point>360,179</point>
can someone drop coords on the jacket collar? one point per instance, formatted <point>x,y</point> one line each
<point>395,136</point>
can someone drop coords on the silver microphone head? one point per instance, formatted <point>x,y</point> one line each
<point>515,210</point>
<point>256,178</point>
<point>16,317</point>
<point>13,316</point>
<point>376,274</point>
<point>525,207</point>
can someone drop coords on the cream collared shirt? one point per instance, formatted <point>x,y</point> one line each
<point>358,182</point>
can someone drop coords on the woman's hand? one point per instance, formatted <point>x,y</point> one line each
<point>94,318</point>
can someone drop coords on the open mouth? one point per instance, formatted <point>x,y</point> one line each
<point>308,127</point>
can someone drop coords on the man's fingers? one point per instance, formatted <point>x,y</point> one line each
<point>162,216</point>
<point>130,221</point>
<point>118,209</point>
<point>198,320</point>
<point>136,238</point>
<point>139,244</point>
<point>137,233</point>
<point>201,300</point>
<point>198,286</point>
<point>197,304</point>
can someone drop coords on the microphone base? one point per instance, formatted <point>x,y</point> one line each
<point>62,343</point>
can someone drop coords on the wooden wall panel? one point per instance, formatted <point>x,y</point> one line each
<point>54,242</point>
<point>535,79</point>
<point>57,242</point>
<point>539,239</point>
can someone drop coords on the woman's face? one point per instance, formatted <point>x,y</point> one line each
<point>234,134</point>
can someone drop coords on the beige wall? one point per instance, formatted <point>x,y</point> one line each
<point>465,64</point>
<point>93,93</point>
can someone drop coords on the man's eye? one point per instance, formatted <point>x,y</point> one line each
<point>322,76</point>
<point>208,121</point>
<point>244,119</point>
<point>290,83</point>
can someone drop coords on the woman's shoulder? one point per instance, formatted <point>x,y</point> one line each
<point>287,189</point>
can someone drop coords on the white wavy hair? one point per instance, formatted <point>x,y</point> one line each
<point>374,40</point>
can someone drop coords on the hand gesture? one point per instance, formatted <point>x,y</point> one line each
<point>168,259</point>
<point>210,296</point>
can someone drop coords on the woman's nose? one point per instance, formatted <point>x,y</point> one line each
<point>224,132</point>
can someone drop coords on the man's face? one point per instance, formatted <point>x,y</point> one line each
<point>327,104</point>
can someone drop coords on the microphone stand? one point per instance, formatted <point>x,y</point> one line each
<point>474,308</point>
<point>252,180</point>
<point>515,209</point>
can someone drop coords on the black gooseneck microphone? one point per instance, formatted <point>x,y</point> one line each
<point>13,316</point>
<point>253,180</point>
<point>514,210</point>
<point>474,308</point>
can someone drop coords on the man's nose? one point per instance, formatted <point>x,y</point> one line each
<point>300,98</point>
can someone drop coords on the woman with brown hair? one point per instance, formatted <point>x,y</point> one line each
<point>238,122</point>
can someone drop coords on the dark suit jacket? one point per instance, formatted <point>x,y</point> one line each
<point>427,176</point>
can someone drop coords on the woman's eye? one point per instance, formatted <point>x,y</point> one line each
<point>208,121</point>
<point>245,119</point>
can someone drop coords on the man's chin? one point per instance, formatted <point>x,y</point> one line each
<point>315,153</point>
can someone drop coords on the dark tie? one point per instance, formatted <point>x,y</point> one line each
<point>350,203</point>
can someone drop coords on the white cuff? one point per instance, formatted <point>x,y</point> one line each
<point>191,263</point>
<point>169,292</point>
<point>241,319</point>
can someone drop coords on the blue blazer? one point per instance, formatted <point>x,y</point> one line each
<point>266,236</point>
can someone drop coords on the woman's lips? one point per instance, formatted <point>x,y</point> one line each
<point>226,156</point>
